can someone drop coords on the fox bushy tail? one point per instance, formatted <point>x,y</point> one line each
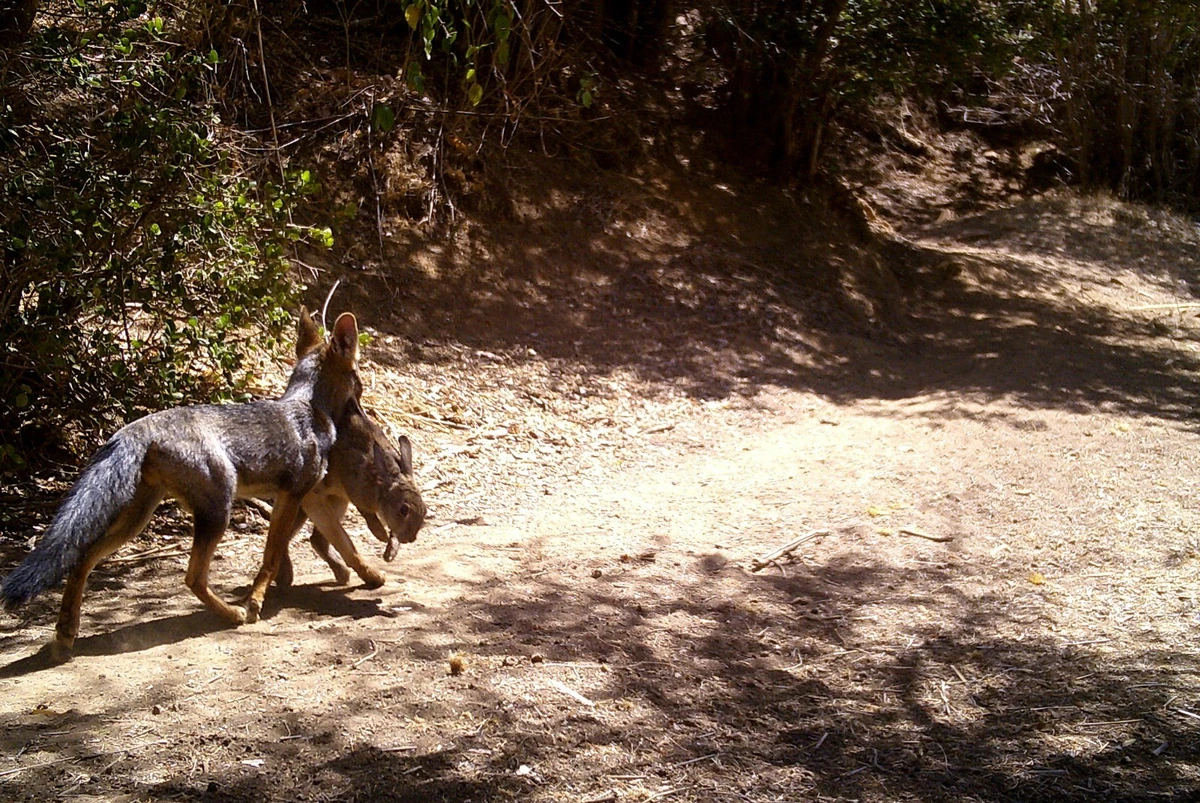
<point>92,505</point>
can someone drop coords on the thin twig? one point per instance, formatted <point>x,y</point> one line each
<point>365,658</point>
<point>567,690</point>
<point>694,760</point>
<point>171,551</point>
<point>603,797</point>
<point>262,61</point>
<point>88,757</point>
<point>760,563</point>
<point>395,411</point>
<point>1180,305</point>
<point>325,306</point>
<point>915,532</point>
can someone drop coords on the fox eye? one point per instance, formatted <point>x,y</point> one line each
<point>404,509</point>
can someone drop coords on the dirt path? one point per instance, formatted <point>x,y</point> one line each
<point>1005,606</point>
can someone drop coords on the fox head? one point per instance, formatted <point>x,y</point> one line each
<point>331,367</point>
<point>343,339</point>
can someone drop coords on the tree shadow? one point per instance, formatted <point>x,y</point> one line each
<point>729,685</point>
<point>762,289</point>
<point>323,599</point>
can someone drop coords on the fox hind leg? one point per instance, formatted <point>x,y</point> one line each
<point>320,545</point>
<point>210,523</point>
<point>131,521</point>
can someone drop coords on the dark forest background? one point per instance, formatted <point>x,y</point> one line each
<point>166,164</point>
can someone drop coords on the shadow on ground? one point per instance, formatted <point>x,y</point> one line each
<point>761,289</point>
<point>735,687</point>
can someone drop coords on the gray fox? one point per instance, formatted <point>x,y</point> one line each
<point>364,469</point>
<point>204,456</point>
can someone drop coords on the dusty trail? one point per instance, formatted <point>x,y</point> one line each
<point>589,552</point>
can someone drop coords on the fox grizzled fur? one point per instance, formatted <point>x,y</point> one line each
<point>203,456</point>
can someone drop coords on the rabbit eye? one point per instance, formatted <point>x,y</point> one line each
<point>404,509</point>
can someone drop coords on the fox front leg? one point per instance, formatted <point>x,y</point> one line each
<point>286,520</point>
<point>327,519</point>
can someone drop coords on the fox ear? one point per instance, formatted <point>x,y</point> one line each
<point>406,467</point>
<point>308,336</point>
<point>345,337</point>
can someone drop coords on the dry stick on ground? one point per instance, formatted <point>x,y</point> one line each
<point>693,760</point>
<point>365,658</point>
<point>761,563</point>
<point>260,507</point>
<point>603,797</point>
<point>567,690</point>
<point>396,411</point>
<point>120,751</point>
<point>926,536</point>
<point>1180,305</point>
<point>170,551</point>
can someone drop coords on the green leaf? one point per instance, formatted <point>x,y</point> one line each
<point>412,15</point>
<point>383,119</point>
<point>475,94</point>
<point>415,79</point>
<point>502,26</point>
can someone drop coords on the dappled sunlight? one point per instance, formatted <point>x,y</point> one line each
<point>1054,303</point>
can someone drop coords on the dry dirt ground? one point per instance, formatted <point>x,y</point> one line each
<point>1004,606</point>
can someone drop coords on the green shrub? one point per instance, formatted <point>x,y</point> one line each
<point>141,253</point>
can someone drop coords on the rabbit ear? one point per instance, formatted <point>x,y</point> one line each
<point>406,466</point>
<point>383,466</point>
<point>376,527</point>
<point>308,336</point>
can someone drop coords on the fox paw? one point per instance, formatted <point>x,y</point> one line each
<point>252,610</point>
<point>284,577</point>
<point>59,652</point>
<point>372,578</point>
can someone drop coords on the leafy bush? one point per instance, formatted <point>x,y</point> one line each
<point>787,69</point>
<point>1123,83</point>
<point>140,251</point>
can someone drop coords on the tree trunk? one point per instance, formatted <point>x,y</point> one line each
<point>16,18</point>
